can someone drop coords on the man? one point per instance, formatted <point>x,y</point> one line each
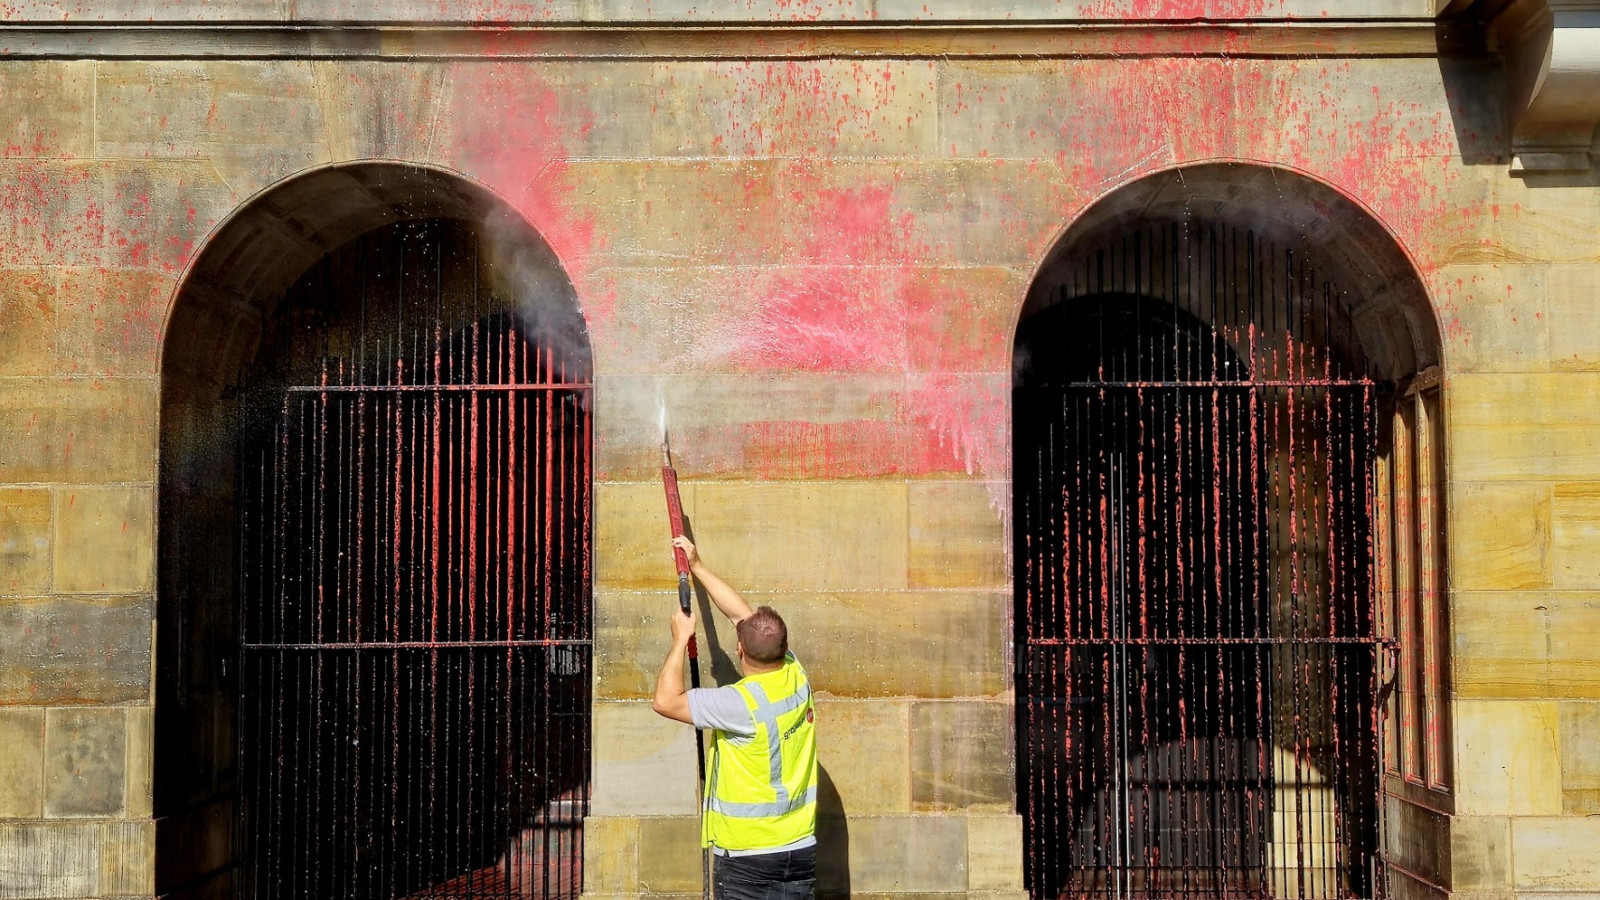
<point>760,813</point>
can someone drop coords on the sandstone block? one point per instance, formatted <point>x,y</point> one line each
<point>983,212</point>
<point>1554,226</point>
<point>28,307</point>
<point>375,110</point>
<point>788,108</point>
<point>1507,527</point>
<point>104,540</point>
<point>1520,644</point>
<point>1507,758</point>
<point>255,120</point>
<point>856,645</point>
<point>1571,293</point>
<point>127,858</point>
<point>961,319</point>
<point>140,766</point>
<point>669,855</point>
<point>864,748</point>
<point>55,859</point>
<point>1501,318</point>
<point>962,756</point>
<point>1575,537</point>
<point>693,212</point>
<point>49,109</point>
<point>644,765</point>
<point>1480,853</point>
<point>1516,427</point>
<point>85,762</point>
<point>110,321</point>
<point>1580,758</point>
<point>957,537</point>
<point>610,855</point>
<point>898,854</point>
<point>22,763</point>
<point>75,650</point>
<point>994,853</point>
<point>1543,857</point>
<point>632,541</point>
<point>25,533</point>
<point>805,535</point>
<point>77,429</point>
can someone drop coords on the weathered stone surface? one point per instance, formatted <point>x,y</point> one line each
<point>858,645</point>
<point>610,855</point>
<point>865,747</point>
<point>1521,644</point>
<point>1572,304</point>
<point>957,535</point>
<point>28,307</point>
<point>669,855</point>
<point>1580,758</point>
<point>110,321</point>
<point>984,212</point>
<point>1507,758</point>
<point>22,763</point>
<point>48,110</point>
<point>644,765</point>
<point>25,535</point>
<point>1507,527</point>
<point>55,859</point>
<point>1546,223</point>
<point>1500,319</point>
<point>804,535</point>
<point>104,540</point>
<point>255,121</point>
<point>962,756</point>
<point>374,110</point>
<point>632,542</point>
<point>127,858</point>
<point>85,761</point>
<point>843,107</point>
<point>994,853</point>
<point>140,762</point>
<point>75,650</point>
<point>1480,853</point>
<point>1574,533</point>
<point>1544,858</point>
<point>1520,427</point>
<point>77,429</point>
<point>907,854</point>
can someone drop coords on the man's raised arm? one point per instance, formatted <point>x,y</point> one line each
<point>724,596</point>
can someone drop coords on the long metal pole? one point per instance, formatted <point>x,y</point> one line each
<point>669,480</point>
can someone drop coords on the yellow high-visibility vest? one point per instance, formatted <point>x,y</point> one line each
<point>763,792</point>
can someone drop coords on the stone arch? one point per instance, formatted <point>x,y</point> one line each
<point>225,320</point>
<point>1247,341</point>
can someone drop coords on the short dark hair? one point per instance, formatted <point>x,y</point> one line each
<point>764,636</point>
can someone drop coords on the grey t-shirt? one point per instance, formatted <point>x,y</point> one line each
<point>724,709</point>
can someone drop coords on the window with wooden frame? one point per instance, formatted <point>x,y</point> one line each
<point>1409,537</point>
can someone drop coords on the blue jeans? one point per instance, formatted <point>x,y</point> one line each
<point>790,875</point>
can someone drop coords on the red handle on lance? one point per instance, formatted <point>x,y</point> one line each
<point>669,480</point>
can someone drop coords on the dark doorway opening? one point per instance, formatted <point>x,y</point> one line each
<point>374,616</point>
<point>413,581</point>
<point>1195,435</point>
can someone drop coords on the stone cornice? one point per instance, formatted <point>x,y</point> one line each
<point>1552,51</point>
<point>1262,38</point>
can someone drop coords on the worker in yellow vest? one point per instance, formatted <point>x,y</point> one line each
<point>760,807</point>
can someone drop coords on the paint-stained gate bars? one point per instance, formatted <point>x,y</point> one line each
<point>1197,628</point>
<point>414,559</point>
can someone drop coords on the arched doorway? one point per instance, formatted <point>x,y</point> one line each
<point>375,590</point>
<point>1205,371</point>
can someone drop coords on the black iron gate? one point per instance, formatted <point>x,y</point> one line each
<point>414,584</point>
<point>1196,625</point>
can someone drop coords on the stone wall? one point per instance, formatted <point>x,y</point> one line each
<point>816,260</point>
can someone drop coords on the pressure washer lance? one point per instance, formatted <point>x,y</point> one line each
<point>669,480</point>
